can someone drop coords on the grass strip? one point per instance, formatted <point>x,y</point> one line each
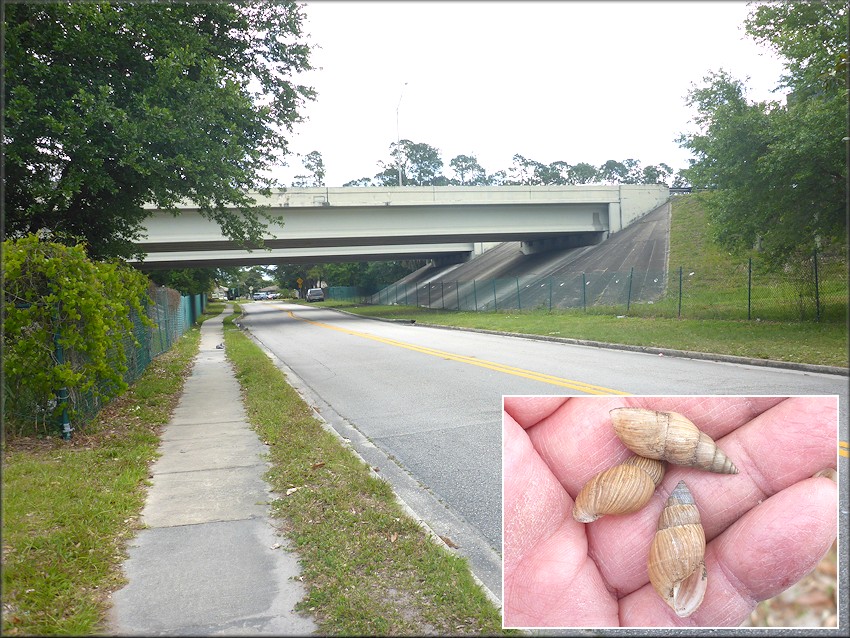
<point>369,568</point>
<point>803,342</point>
<point>70,507</point>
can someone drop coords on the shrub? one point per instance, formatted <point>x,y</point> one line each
<point>65,320</point>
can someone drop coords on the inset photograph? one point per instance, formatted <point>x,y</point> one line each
<point>669,511</point>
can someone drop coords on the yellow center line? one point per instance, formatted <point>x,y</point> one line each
<point>481,363</point>
<point>844,448</point>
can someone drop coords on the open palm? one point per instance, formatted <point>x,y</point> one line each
<point>765,527</point>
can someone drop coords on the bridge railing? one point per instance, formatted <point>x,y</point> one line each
<point>816,289</point>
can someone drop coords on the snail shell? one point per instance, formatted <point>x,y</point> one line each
<point>677,555</point>
<point>621,489</point>
<point>669,436</point>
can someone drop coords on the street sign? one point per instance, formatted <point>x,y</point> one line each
<point>300,281</point>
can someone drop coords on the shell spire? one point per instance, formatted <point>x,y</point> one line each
<point>671,437</point>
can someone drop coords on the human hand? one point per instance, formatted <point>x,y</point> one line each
<point>765,528</point>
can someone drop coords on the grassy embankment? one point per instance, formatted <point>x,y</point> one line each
<point>715,292</point>
<point>70,507</point>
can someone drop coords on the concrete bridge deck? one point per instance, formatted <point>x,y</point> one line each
<point>359,224</point>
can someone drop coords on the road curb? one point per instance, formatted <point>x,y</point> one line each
<point>665,352</point>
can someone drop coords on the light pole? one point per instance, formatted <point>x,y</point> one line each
<point>397,137</point>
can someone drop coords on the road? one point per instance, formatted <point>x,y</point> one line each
<point>423,405</point>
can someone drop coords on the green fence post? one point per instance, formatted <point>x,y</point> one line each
<point>749,287</point>
<point>457,294</point>
<point>679,313</point>
<point>518,300</point>
<point>629,296</point>
<point>583,293</point>
<point>495,303</point>
<point>817,284</point>
<point>62,393</point>
<point>475,295</point>
<point>550,294</point>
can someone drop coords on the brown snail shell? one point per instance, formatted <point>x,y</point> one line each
<point>671,437</point>
<point>622,489</point>
<point>677,555</point>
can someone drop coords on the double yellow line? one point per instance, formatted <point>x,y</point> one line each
<point>843,448</point>
<point>481,363</point>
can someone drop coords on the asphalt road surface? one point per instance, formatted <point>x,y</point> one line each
<point>423,405</point>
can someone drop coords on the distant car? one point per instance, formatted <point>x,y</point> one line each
<point>259,296</point>
<point>315,294</point>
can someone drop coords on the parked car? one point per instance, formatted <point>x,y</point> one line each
<point>259,296</point>
<point>315,294</point>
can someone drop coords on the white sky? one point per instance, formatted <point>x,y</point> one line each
<point>557,80</point>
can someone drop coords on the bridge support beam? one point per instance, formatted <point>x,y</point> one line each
<point>565,241</point>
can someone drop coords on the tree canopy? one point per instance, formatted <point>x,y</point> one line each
<point>779,170</point>
<point>111,106</point>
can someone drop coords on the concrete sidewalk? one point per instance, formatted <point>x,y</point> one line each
<point>210,561</point>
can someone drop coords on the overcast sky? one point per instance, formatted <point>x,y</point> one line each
<point>556,80</point>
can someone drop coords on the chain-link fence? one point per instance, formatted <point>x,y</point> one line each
<point>815,289</point>
<point>29,411</point>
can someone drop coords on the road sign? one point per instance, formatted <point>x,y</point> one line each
<point>300,281</point>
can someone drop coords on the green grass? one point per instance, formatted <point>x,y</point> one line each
<point>804,342</point>
<point>69,507</point>
<point>368,567</point>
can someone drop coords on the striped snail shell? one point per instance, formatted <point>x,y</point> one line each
<point>671,437</point>
<point>622,489</point>
<point>677,555</point>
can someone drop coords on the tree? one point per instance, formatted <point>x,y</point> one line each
<point>111,106</point>
<point>314,163</point>
<point>582,173</point>
<point>613,172</point>
<point>189,281</point>
<point>468,171</point>
<point>779,169</point>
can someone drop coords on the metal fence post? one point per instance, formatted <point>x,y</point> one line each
<point>475,295</point>
<point>679,313</point>
<point>457,294</point>
<point>629,296</point>
<point>749,287</point>
<point>518,300</point>
<point>583,293</point>
<point>62,393</point>
<point>495,303</point>
<point>817,284</point>
<point>550,294</point>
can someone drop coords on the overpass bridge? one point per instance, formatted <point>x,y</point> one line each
<point>443,223</point>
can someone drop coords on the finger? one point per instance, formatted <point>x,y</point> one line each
<point>765,552</point>
<point>528,411</point>
<point>534,504</point>
<point>558,586</point>
<point>545,553</point>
